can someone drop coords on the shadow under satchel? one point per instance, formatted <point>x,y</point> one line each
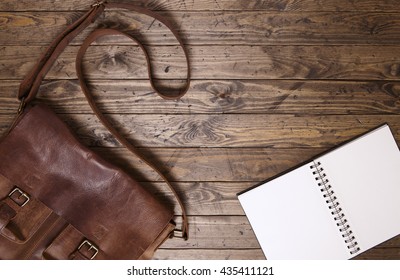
<point>58,199</point>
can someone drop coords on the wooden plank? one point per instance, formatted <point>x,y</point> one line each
<point>226,130</point>
<point>212,232</point>
<point>202,198</point>
<point>214,165</point>
<point>380,254</point>
<point>186,5</point>
<point>229,232</point>
<point>227,62</point>
<point>216,28</point>
<point>209,254</point>
<point>218,97</point>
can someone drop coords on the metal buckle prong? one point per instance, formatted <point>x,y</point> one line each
<point>21,105</point>
<point>98,3</point>
<point>91,248</point>
<point>21,194</point>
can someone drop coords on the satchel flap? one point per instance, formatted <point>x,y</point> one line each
<point>97,198</point>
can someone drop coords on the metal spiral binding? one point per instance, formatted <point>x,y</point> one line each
<point>334,206</point>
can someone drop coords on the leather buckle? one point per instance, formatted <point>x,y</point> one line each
<point>90,247</point>
<point>21,195</point>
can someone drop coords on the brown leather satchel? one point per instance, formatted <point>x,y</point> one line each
<point>60,200</point>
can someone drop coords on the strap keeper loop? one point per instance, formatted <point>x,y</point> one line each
<point>179,233</point>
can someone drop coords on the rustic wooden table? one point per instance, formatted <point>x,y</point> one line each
<point>274,83</point>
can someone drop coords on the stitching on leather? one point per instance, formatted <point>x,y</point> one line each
<point>35,244</point>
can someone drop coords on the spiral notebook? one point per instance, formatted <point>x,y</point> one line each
<point>335,206</point>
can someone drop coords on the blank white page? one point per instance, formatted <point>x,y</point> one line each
<point>291,220</point>
<point>365,176</point>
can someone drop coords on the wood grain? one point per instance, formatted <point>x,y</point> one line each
<point>227,62</point>
<point>209,254</point>
<point>216,28</point>
<point>280,131</point>
<point>203,198</point>
<point>218,97</point>
<point>212,232</point>
<point>213,5</point>
<point>244,130</point>
<point>245,165</point>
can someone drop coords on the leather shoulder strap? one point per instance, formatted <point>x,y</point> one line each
<point>30,85</point>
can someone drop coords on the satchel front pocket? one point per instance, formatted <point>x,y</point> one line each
<point>72,244</point>
<point>21,215</point>
<point>26,224</point>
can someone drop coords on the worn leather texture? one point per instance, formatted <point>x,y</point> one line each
<point>78,206</point>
